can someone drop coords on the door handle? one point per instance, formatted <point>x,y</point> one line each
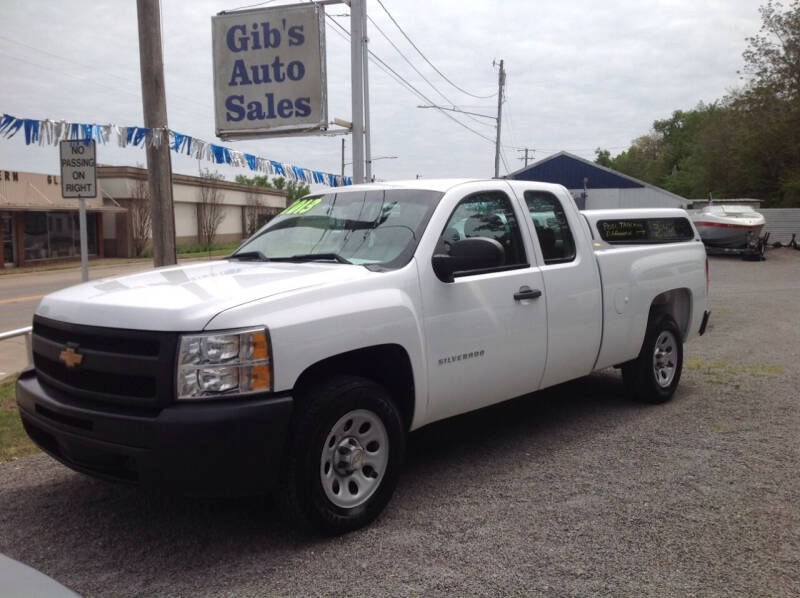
<point>527,293</point>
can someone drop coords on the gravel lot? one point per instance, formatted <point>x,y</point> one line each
<point>574,491</point>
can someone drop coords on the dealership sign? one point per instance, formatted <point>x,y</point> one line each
<point>269,71</point>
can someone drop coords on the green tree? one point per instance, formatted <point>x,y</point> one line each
<point>603,157</point>
<point>746,144</point>
<point>294,189</point>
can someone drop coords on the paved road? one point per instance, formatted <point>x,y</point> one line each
<point>20,294</point>
<point>574,491</point>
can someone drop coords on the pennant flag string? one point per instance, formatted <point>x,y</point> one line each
<point>51,132</point>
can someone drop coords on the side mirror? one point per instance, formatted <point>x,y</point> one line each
<point>474,253</point>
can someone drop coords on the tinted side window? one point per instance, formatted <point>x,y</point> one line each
<point>551,225</point>
<point>645,230</point>
<point>485,215</point>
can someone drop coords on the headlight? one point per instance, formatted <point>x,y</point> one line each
<point>228,364</point>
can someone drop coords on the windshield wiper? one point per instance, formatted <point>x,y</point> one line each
<point>248,255</point>
<point>313,257</point>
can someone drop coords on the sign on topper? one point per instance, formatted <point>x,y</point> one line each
<point>78,169</point>
<point>269,71</point>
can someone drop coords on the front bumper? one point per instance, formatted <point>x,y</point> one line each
<point>225,447</point>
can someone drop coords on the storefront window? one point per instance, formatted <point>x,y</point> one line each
<point>7,233</point>
<point>49,235</point>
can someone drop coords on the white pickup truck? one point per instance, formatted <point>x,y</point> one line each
<point>352,318</point>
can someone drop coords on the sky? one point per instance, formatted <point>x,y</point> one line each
<point>580,75</point>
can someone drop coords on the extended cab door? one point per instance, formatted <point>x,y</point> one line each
<point>483,344</point>
<point>572,284</point>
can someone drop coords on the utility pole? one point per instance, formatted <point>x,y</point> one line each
<point>154,104</point>
<point>369,178</point>
<point>342,156</point>
<point>357,9</point>
<point>501,81</point>
<point>526,150</point>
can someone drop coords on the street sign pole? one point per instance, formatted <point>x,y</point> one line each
<point>84,242</point>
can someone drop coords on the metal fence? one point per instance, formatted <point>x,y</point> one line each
<point>26,332</point>
<point>782,223</point>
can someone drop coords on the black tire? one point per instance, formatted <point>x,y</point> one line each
<point>320,409</point>
<point>643,380</point>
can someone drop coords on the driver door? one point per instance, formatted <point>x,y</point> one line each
<point>483,344</point>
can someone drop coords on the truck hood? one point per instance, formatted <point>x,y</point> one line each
<point>185,298</point>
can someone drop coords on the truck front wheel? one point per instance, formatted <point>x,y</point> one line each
<point>654,375</point>
<point>345,452</point>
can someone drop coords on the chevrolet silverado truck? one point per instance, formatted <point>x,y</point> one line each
<point>302,360</point>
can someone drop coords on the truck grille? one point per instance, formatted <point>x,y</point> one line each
<point>112,365</point>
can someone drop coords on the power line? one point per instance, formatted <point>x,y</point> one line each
<point>136,95</point>
<point>411,64</point>
<point>89,66</point>
<point>425,58</point>
<point>251,5</point>
<point>345,35</point>
<point>397,78</point>
<point>503,160</point>
<point>413,89</point>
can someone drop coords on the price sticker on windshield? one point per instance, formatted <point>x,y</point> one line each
<point>302,206</point>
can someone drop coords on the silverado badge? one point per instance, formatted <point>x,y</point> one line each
<point>70,357</point>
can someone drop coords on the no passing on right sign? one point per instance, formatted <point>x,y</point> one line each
<point>78,168</point>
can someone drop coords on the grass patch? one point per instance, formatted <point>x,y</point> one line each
<point>214,253</point>
<point>14,442</point>
<point>200,250</point>
<point>716,369</point>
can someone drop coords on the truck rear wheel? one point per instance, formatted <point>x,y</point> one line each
<point>654,375</point>
<point>346,448</point>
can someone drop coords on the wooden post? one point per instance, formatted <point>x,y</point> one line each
<point>501,81</point>
<point>154,104</point>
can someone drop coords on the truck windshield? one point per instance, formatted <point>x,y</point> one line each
<point>379,228</point>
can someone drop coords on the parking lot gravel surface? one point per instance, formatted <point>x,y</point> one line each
<point>573,491</point>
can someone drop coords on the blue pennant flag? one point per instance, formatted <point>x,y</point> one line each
<point>10,125</point>
<point>140,134</point>
<point>5,122</point>
<point>220,154</point>
<point>31,131</point>
<point>181,141</point>
<point>16,126</point>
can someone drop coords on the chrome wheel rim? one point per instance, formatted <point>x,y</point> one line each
<point>665,358</point>
<point>354,458</point>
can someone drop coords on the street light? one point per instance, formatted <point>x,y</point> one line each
<point>370,162</point>
<point>378,158</point>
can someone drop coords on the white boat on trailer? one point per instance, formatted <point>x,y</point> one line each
<point>734,227</point>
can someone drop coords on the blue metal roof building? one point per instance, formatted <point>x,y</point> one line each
<point>595,186</point>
